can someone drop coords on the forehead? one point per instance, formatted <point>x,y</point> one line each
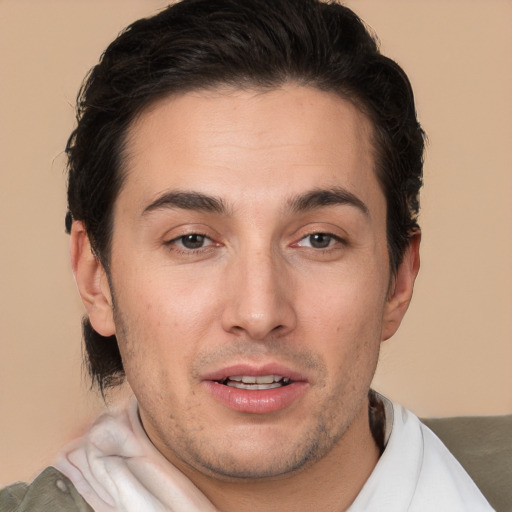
<point>246,144</point>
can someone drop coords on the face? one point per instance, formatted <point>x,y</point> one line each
<point>250,277</point>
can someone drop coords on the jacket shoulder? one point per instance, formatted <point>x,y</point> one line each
<point>51,491</point>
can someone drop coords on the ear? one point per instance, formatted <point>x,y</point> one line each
<point>91,280</point>
<point>402,284</point>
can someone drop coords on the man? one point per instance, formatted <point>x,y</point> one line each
<point>243,194</point>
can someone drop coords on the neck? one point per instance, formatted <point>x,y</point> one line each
<point>331,483</point>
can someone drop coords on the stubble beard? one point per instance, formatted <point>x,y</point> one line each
<point>191,453</point>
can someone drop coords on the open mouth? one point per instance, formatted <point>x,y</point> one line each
<point>256,390</point>
<point>251,382</point>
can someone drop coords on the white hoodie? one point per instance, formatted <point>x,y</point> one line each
<point>115,467</point>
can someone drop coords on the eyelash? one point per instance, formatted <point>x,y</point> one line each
<point>185,250</point>
<point>177,243</point>
<point>332,237</point>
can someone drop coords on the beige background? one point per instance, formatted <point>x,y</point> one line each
<point>453,354</point>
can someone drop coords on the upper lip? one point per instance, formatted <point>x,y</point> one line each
<point>254,370</point>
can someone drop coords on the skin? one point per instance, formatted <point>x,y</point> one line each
<point>273,281</point>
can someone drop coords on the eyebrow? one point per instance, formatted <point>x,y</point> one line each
<point>319,198</point>
<point>187,201</point>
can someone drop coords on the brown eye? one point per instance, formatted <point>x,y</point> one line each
<point>320,240</point>
<point>192,241</point>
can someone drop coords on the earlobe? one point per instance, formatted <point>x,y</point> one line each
<point>91,280</point>
<point>400,293</point>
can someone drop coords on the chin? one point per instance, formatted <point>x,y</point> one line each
<point>256,468</point>
<point>264,459</point>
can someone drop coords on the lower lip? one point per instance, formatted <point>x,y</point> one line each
<point>263,401</point>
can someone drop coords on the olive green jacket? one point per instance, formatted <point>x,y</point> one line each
<point>51,491</point>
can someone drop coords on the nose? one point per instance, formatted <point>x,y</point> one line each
<point>260,298</point>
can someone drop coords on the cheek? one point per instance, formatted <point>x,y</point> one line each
<point>343,313</point>
<point>167,298</point>
<point>161,318</point>
<point>346,299</point>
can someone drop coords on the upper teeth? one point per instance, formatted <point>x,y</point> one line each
<point>253,382</point>
<point>263,379</point>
